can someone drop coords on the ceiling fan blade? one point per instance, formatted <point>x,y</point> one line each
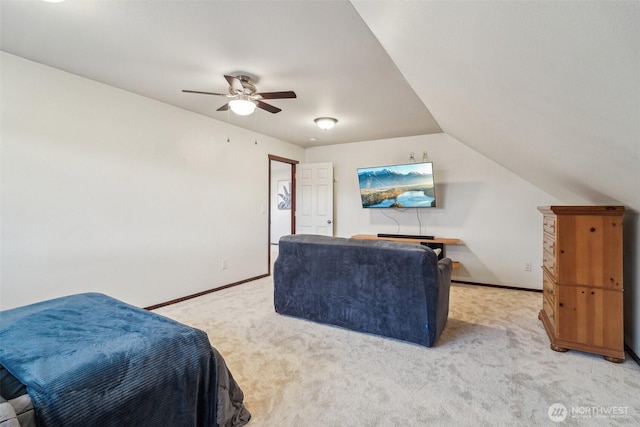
<point>277,95</point>
<point>268,107</point>
<point>203,93</point>
<point>235,83</point>
<point>225,107</point>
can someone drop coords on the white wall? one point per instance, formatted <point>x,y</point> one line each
<point>103,190</point>
<point>550,90</point>
<point>107,191</point>
<point>489,208</point>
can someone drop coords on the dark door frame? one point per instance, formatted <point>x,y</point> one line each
<point>293,164</point>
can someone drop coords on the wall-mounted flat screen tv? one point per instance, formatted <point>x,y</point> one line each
<point>398,186</point>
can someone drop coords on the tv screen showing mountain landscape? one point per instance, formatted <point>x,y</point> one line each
<point>398,186</point>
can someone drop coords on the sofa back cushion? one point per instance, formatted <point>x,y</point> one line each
<point>375,286</point>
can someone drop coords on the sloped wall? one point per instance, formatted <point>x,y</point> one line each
<point>549,90</point>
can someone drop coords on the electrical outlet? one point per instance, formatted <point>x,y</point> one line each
<point>225,264</point>
<point>527,266</point>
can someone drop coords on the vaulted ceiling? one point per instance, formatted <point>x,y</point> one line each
<point>322,50</point>
<point>549,90</point>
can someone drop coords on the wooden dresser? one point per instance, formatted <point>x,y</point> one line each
<point>582,304</point>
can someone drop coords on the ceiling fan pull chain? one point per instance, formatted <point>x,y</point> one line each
<point>228,126</point>
<point>255,127</point>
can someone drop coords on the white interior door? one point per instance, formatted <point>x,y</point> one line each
<point>314,198</point>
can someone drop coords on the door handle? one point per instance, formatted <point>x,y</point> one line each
<point>328,221</point>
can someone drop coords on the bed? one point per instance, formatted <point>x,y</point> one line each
<point>89,360</point>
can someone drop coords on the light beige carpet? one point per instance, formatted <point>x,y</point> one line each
<point>492,366</point>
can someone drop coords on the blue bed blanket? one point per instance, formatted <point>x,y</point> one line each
<point>91,360</point>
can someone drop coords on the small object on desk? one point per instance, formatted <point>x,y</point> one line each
<point>406,236</point>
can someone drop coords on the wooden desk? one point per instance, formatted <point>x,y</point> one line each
<point>442,240</point>
<point>435,243</point>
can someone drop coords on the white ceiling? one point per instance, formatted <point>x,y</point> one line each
<point>549,90</point>
<point>322,50</point>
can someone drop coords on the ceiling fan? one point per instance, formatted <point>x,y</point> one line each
<point>245,99</point>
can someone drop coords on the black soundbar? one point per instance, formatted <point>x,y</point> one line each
<point>406,236</point>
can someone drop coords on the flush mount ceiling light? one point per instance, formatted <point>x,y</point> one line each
<point>242,106</point>
<point>325,123</point>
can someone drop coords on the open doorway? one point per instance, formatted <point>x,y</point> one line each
<point>282,201</point>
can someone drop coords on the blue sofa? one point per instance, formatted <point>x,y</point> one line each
<point>397,290</point>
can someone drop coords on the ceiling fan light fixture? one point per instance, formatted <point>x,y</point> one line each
<point>242,106</point>
<point>325,123</point>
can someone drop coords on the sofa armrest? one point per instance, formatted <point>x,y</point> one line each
<point>445,266</point>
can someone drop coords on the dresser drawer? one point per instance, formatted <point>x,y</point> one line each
<point>548,287</point>
<point>549,297</point>
<point>549,309</point>
<point>549,224</point>
<point>549,261</point>
<point>549,244</point>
